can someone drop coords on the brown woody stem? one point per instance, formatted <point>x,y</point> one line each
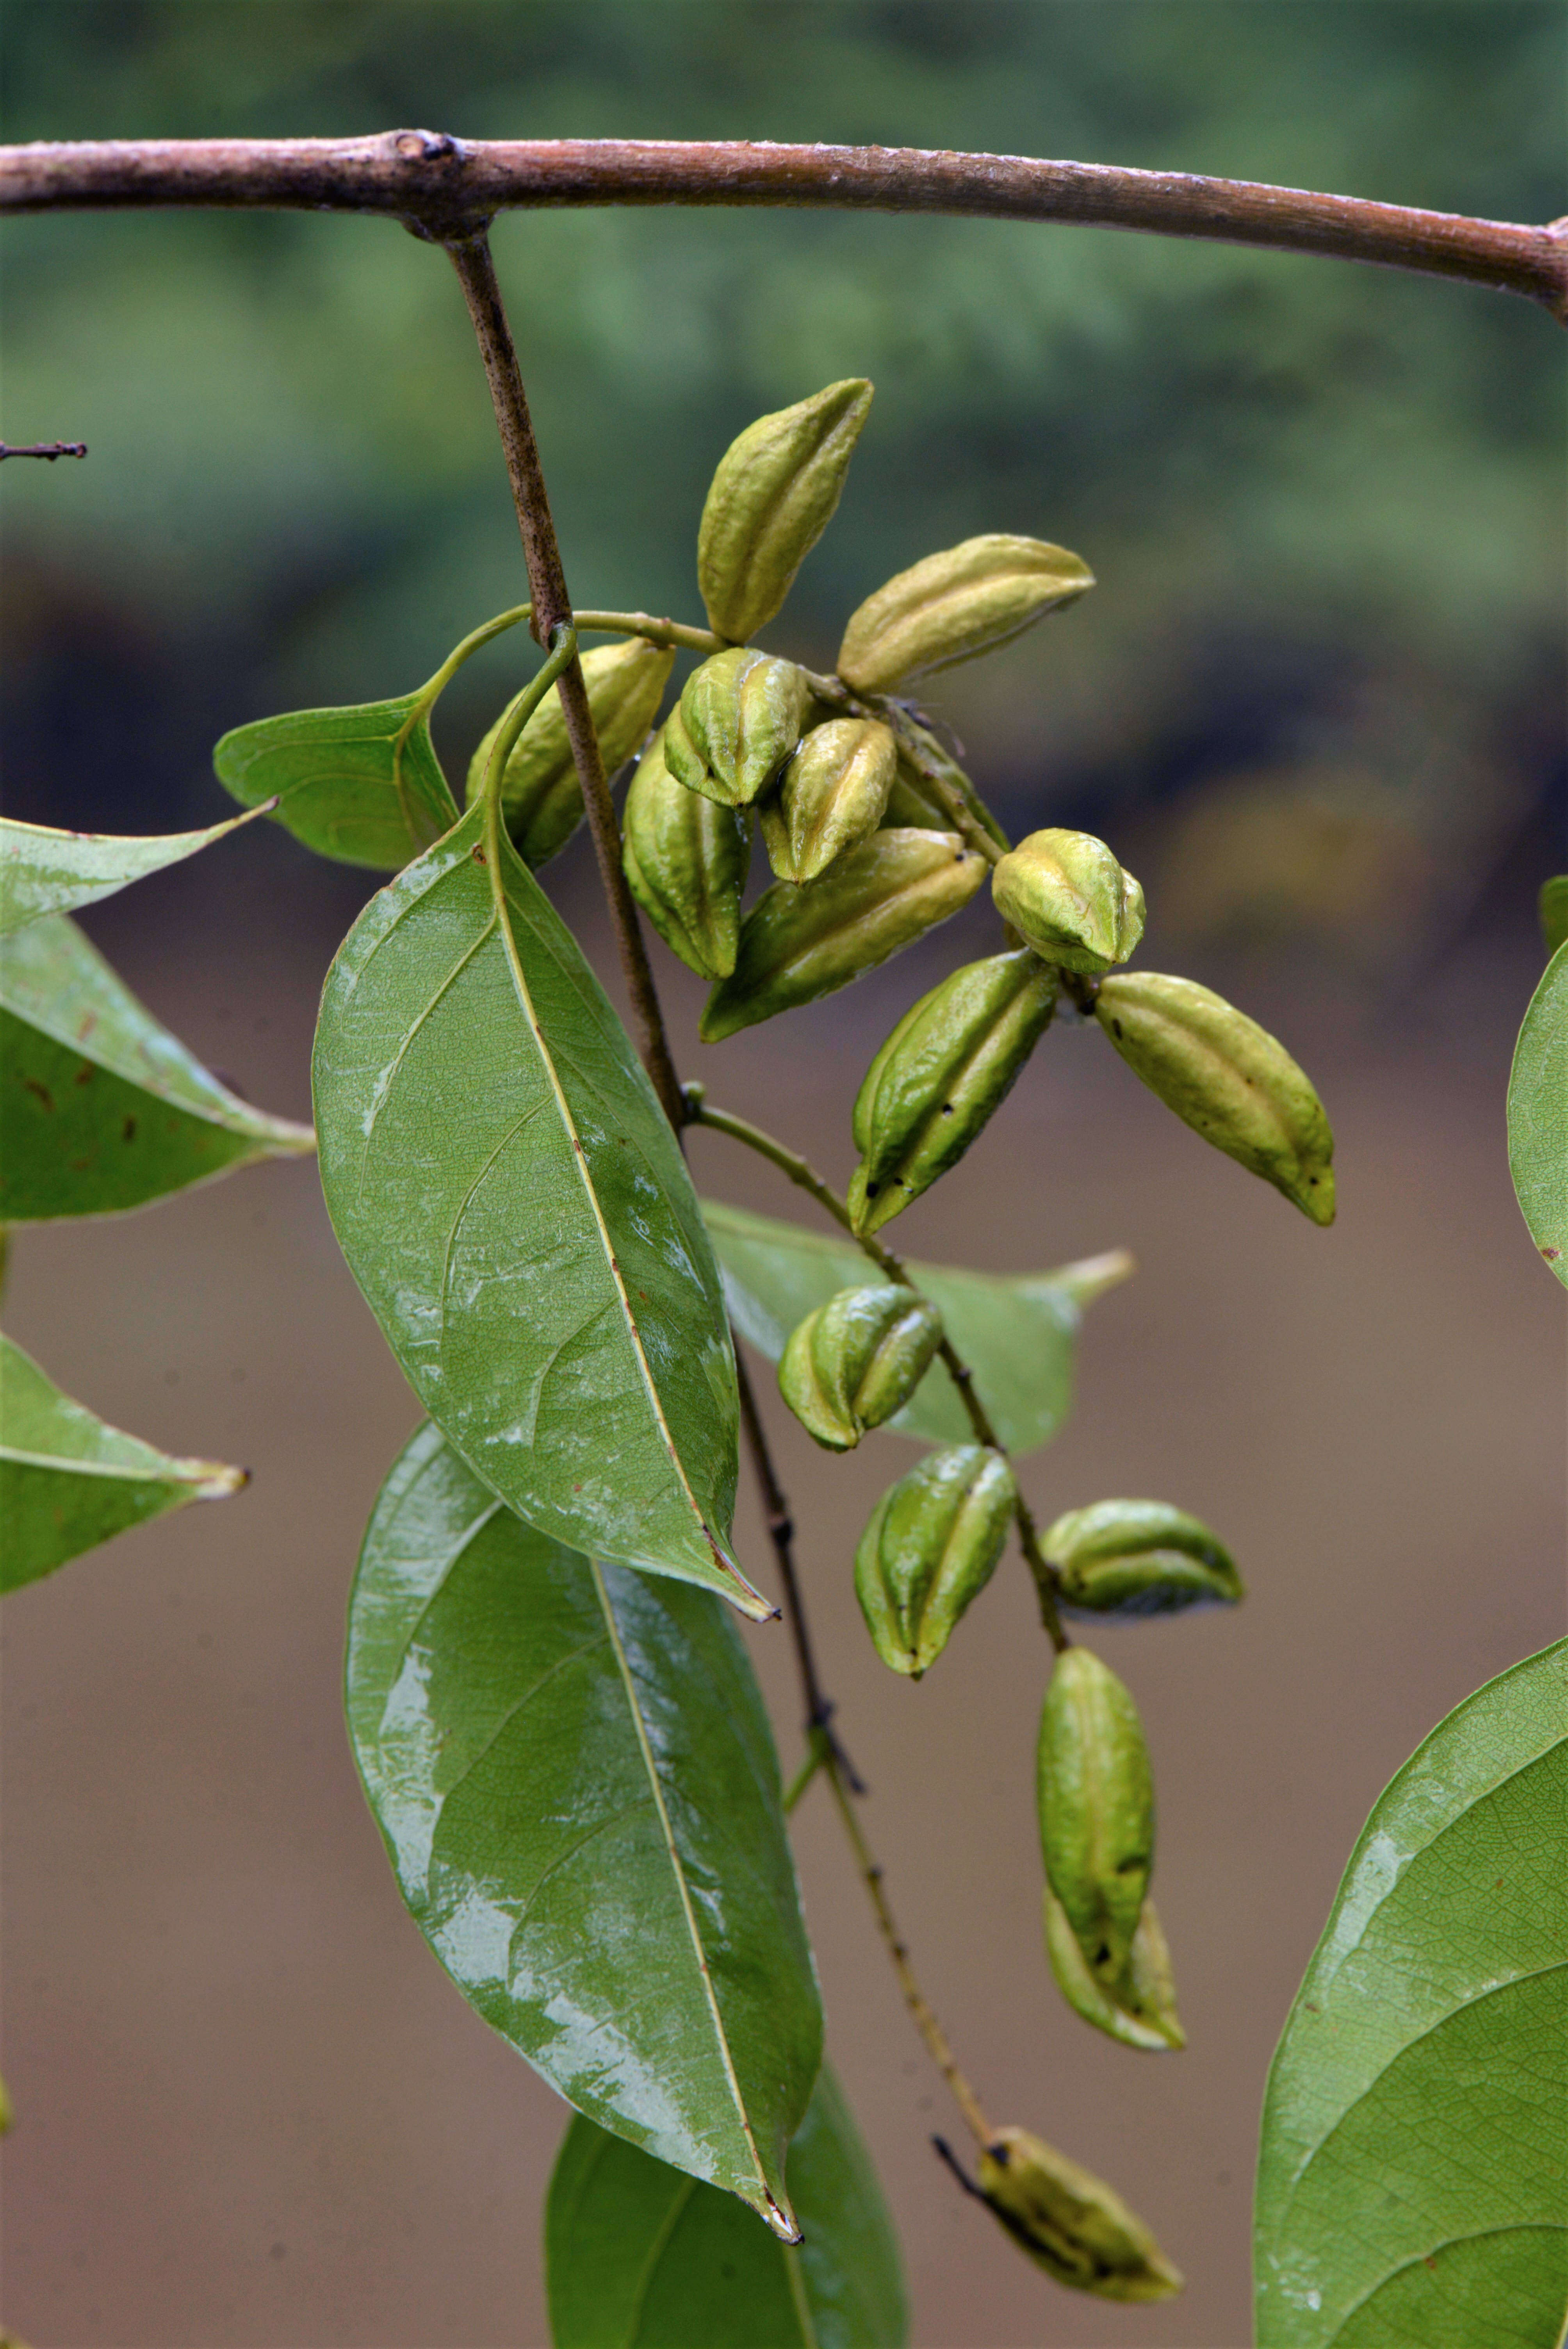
<point>551,606</point>
<point>800,1171</point>
<point>448,188</point>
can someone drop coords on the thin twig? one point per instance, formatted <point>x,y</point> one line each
<point>915,1998</point>
<point>552,607</point>
<point>49,449</point>
<point>805,1176</point>
<point>449,187</point>
<point>781,1534</point>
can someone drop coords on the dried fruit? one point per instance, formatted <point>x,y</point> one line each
<point>740,717</point>
<point>832,792</point>
<point>947,1067</point>
<point>856,1360</point>
<point>1140,2007</point>
<point>1097,1810</point>
<point>1227,1078</point>
<point>1068,898</point>
<point>1139,1558</point>
<point>540,798</point>
<point>685,858</point>
<point>1070,2223</point>
<point>964,601</point>
<point>797,943</point>
<point>931,1547</point>
<point>772,496</point>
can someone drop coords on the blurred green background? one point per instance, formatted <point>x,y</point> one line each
<point>1316,701</point>
<point>1324,503</point>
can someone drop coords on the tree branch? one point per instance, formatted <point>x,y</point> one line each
<point>448,188</point>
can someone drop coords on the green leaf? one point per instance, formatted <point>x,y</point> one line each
<point>362,785</point>
<point>638,2257</point>
<point>1553,910</point>
<point>102,1109</point>
<point>1413,2183</point>
<point>68,1482</point>
<point>1538,1115</point>
<point>1016,1333</point>
<point>48,872</point>
<point>575,1778</point>
<point>512,1201</point>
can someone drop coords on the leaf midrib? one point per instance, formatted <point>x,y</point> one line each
<point>677,1872</point>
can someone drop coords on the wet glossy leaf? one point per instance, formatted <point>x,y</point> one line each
<point>577,1781</point>
<point>362,785</point>
<point>68,1481</point>
<point>1413,2183</point>
<point>48,872</point>
<point>102,1109</point>
<point>1538,1115</point>
<point>1016,1333</point>
<point>638,2257</point>
<point>513,1203</point>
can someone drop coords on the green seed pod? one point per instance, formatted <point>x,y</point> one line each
<point>741,714</point>
<point>1553,907</point>
<point>1071,2223</point>
<point>771,499</point>
<point>832,792</point>
<point>797,943</point>
<point>931,1547</point>
<point>948,1065</point>
<point>956,605</point>
<point>540,798</point>
<point>685,858</point>
<point>1067,895</point>
<point>856,1360</point>
<point>1097,1809</point>
<point>1139,1558</point>
<point>1227,1078</point>
<point>1140,2007</point>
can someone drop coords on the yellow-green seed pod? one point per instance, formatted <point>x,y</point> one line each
<point>1068,897</point>
<point>931,1547</point>
<point>964,601</point>
<point>1097,1809</point>
<point>1553,907</point>
<point>771,499</point>
<point>1139,1558</point>
<point>540,798</point>
<point>856,1360</point>
<point>1140,2007</point>
<point>832,792</point>
<point>1227,1078</point>
<point>741,714</point>
<point>685,858</point>
<point>800,941</point>
<point>1071,2223</point>
<point>947,1067</point>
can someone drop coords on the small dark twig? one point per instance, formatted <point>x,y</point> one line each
<point>48,450</point>
<point>957,2167</point>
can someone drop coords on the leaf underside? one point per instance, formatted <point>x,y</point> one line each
<point>46,872</point>
<point>1538,1115</point>
<point>103,1109</point>
<point>574,1775</point>
<point>514,1206</point>
<point>1413,2180</point>
<point>362,785</point>
<point>68,1481</point>
<point>639,2257</point>
<point>1017,1334</point>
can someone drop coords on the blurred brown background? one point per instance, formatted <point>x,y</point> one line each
<point>1315,703</point>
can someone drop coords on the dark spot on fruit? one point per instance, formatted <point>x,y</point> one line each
<point>40,1093</point>
<point>127,1131</point>
<point>85,1074</point>
<point>948,1109</point>
<point>1115,1027</point>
